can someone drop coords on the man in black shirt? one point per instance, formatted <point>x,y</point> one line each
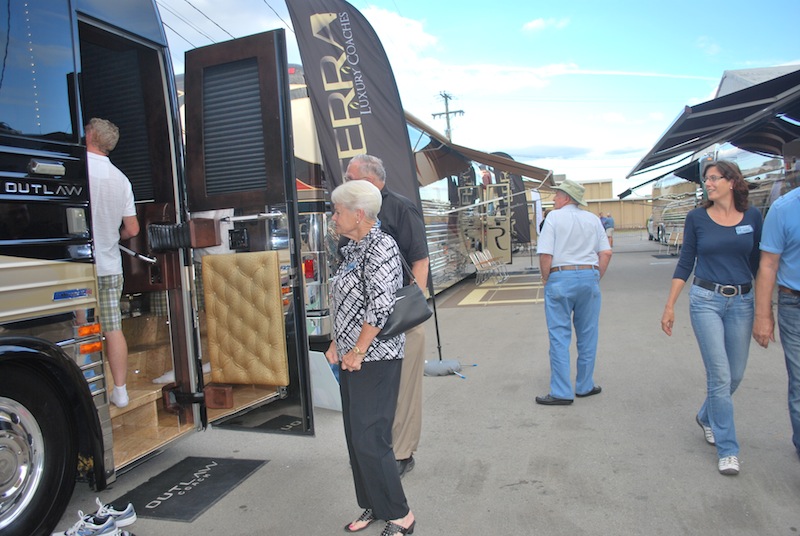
<point>401,219</point>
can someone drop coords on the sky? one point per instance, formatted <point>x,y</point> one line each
<point>582,87</point>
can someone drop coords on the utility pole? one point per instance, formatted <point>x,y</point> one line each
<point>447,113</point>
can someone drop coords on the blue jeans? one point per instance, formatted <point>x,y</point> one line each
<point>572,297</point>
<point>789,323</point>
<point>723,327</point>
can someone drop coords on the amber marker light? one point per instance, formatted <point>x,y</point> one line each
<point>91,347</point>
<point>88,329</point>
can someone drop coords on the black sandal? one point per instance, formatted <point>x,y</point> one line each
<point>393,528</point>
<point>367,516</point>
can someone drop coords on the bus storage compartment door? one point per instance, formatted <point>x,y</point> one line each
<point>245,319</point>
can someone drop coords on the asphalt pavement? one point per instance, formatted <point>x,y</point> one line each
<point>629,461</point>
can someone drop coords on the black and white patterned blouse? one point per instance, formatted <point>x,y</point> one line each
<point>383,277</point>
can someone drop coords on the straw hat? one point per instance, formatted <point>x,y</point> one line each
<point>572,189</point>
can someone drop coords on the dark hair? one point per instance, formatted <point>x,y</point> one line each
<point>731,171</point>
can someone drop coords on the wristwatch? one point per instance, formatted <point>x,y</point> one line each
<point>357,351</point>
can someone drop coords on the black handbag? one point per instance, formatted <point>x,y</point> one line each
<point>410,306</point>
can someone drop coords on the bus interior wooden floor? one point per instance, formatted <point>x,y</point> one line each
<point>144,425</point>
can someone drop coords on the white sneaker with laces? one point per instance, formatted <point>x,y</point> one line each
<point>91,526</point>
<point>729,465</point>
<point>707,431</point>
<point>119,397</point>
<point>123,518</point>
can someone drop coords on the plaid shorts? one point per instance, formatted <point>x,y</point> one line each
<point>109,289</point>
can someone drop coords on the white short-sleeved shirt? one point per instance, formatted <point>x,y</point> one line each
<point>111,200</point>
<point>572,236</point>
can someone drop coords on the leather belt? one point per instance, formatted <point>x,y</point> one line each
<point>788,290</point>
<point>729,291</point>
<point>574,267</point>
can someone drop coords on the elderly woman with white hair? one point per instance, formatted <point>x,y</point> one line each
<point>363,297</point>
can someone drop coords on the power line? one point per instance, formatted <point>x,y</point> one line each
<point>176,33</point>
<point>212,21</point>
<point>185,21</point>
<point>289,26</point>
<point>447,113</point>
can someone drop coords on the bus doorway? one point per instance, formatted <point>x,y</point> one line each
<point>184,368</point>
<point>198,333</point>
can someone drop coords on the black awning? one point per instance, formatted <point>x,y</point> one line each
<point>440,147</point>
<point>760,119</point>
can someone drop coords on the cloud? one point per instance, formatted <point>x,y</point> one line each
<point>644,74</point>
<point>514,111</point>
<point>708,45</point>
<point>405,36</point>
<point>540,24</point>
<point>413,54</point>
<point>548,151</point>
<point>626,151</point>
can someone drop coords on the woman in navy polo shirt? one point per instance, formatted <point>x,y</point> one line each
<point>721,244</point>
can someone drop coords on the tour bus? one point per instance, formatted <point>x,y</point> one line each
<point>213,303</point>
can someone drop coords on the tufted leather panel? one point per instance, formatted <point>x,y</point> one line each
<point>244,313</point>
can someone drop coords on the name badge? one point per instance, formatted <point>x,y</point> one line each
<point>744,229</point>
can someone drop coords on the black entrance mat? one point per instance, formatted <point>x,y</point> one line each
<point>666,256</point>
<point>257,422</point>
<point>189,488</point>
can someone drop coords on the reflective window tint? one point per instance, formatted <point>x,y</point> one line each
<point>37,70</point>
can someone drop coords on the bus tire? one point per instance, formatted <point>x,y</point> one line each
<point>38,453</point>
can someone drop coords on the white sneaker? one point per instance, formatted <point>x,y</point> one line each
<point>122,518</point>
<point>91,526</point>
<point>707,431</point>
<point>119,397</point>
<point>729,465</point>
<point>167,377</point>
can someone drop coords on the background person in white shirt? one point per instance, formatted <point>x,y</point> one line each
<point>113,219</point>
<point>573,255</point>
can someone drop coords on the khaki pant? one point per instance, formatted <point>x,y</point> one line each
<point>408,416</point>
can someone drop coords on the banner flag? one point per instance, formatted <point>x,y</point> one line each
<point>353,93</point>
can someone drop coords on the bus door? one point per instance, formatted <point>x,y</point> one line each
<point>470,219</point>
<point>319,262</point>
<point>125,79</point>
<point>240,166</point>
<point>497,222</point>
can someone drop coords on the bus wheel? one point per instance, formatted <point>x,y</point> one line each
<point>38,454</point>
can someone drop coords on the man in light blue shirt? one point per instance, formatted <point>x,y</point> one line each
<point>608,225</point>
<point>780,261</point>
<point>573,255</point>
